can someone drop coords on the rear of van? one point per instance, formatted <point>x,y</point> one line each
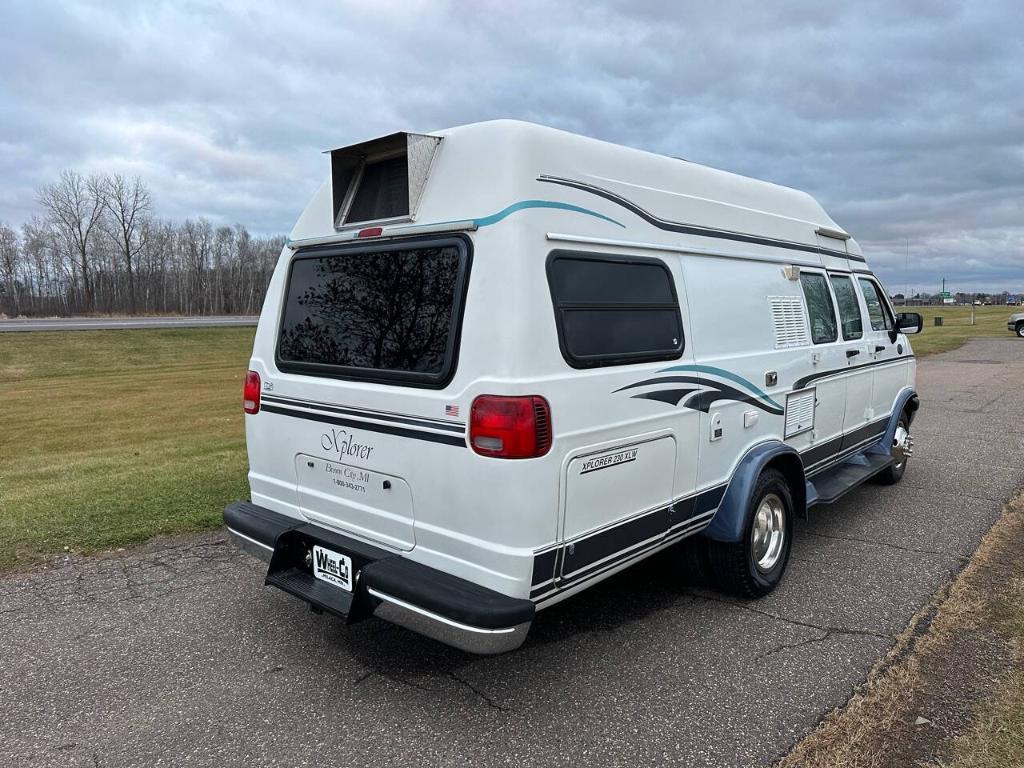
<point>381,419</point>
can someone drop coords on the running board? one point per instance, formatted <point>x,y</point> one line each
<point>832,484</point>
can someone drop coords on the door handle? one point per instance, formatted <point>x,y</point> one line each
<point>879,349</point>
<point>852,352</point>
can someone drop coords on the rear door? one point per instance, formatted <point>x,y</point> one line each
<point>367,335</point>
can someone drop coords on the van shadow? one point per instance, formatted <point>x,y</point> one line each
<point>656,584</point>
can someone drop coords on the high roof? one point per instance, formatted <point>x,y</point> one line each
<point>482,170</point>
<point>658,173</point>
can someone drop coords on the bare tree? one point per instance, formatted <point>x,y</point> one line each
<point>128,203</point>
<point>198,243</point>
<point>98,247</point>
<point>75,205</point>
<point>9,263</point>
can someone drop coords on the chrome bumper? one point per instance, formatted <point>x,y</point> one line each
<point>485,642</point>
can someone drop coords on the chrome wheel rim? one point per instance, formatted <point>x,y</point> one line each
<point>768,533</point>
<point>900,446</point>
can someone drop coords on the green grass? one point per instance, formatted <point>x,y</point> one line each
<point>956,328</point>
<point>111,437</point>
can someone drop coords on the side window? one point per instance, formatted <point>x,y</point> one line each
<point>819,307</point>
<point>878,311</point>
<point>613,311</point>
<point>849,307</point>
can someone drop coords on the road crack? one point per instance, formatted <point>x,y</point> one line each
<point>792,646</point>
<point>797,622</point>
<point>889,545</point>
<point>480,694</point>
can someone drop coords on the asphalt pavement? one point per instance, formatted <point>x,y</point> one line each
<point>117,323</point>
<point>175,654</point>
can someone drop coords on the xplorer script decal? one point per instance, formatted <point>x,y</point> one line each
<point>344,444</point>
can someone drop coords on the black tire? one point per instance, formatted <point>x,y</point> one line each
<point>693,560</point>
<point>733,564</point>
<point>1020,329</point>
<point>892,475</point>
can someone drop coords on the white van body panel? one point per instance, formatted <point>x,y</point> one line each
<point>543,528</point>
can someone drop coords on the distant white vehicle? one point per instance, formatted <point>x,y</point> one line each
<point>500,363</point>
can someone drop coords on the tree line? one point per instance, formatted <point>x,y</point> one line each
<point>97,247</point>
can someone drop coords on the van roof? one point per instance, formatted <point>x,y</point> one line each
<point>486,165</point>
<point>661,173</point>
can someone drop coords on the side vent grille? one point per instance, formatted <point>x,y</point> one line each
<point>800,412</point>
<point>542,419</point>
<point>789,322</point>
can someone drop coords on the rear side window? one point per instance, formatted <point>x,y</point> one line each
<point>614,311</point>
<point>819,307</point>
<point>878,312</point>
<point>849,308</point>
<point>390,313</point>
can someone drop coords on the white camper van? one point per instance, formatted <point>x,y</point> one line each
<point>499,363</point>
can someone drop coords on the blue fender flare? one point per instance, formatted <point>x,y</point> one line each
<point>908,401</point>
<point>728,523</point>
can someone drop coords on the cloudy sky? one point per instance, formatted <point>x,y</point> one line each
<point>905,118</point>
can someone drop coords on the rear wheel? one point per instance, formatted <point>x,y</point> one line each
<point>693,559</point>
<point>753,566</point>
<point>1020,329</point>
<point>902,447</point>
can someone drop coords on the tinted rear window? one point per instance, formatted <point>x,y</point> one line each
<point>382,314</point>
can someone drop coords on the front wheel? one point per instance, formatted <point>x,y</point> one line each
<point>1020,329</point>
<point>753,566</point>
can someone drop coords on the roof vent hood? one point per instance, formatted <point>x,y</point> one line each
<point>382,180</point>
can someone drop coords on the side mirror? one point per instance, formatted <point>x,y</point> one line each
<point>909,322</point>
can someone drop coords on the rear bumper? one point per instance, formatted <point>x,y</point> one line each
<point>394,588</point>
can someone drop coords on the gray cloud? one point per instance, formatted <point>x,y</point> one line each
<point>905,119</point>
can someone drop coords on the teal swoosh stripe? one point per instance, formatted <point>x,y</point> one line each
<point>725,375</point>
<point>522,205</point>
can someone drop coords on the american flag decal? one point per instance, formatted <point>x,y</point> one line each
<point>451,410</point>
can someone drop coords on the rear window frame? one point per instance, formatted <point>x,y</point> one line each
<point>415,379</point>
<point>609,360</point>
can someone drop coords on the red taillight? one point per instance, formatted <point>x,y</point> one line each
<point>251,392</point>
<point>510,427</point>
<point>371,232</point>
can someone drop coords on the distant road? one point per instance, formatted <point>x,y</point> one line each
<point>116,323</point>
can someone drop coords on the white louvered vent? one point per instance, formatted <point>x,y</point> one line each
<point>789,321</point>
<point>800,412</point>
